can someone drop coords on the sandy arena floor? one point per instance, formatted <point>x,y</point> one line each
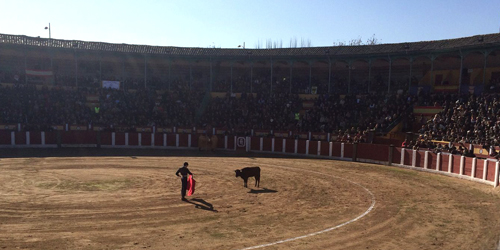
<point>134,203</point>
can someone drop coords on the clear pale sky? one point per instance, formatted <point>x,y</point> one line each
<point>227,24</point>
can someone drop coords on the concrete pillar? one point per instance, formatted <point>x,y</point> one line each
<point>485,169</point>
<point>43,138</point>
<point>462,165</point>
<point>438,161</point>
<point>473,172</point>
<point>426,160</point>
<point>402,156</point>
<point>414,158</point>
<point>497,166</point>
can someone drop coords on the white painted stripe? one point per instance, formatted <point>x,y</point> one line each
<point>426,160</point>
<point>330,149</point>
<point>296,146</point>
<point>43,138</point>
<point>342,150</point>
<point>485,169</point>
<point>462,165</point>
<point>307,147</point>
<point>139,139</point>
<point>319,147</point>
<point>164,140</point>
<point>152,139</point>
<point>177,140</point>
<point>272,145</point>
<point>496,173</point>
<point>284,146</point>
<point>438,161</point>
<point>27,138</point>
<point>126,139</point>
<point>189,140</point>
<point>473,172</point>
<point>402,156</point>
<point>414,158</point>
<point>12,138</point>
<point>261,144</point>
<point>113,139</point>
<point>373,202</point>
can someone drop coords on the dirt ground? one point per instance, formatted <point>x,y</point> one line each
<point>123,202</point>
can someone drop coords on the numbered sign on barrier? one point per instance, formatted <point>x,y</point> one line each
<point>241,142</point>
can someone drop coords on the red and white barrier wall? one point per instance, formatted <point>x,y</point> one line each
<point>480,170</point>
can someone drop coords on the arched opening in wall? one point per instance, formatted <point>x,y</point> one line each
<point>198,75</point>
<point>11,65</point>
<point>157,72</point>
<point>473,70</point>
<point>88,70</point>
<point>400,75</point>
<point>300,77</point>
<point>319,72</point>
<point>39,60</point>
<point>360,73</point>
<point>420,75</point>
<point>134,66</point>
<point>446,73</point>
<point>221,71</point>
<point>261,77</point>
<point>241,77</point>
<point>380,75</point>
<point>281,69</point>
<point>492,76</point>
<point>340,77</point>
<point>113,69</point>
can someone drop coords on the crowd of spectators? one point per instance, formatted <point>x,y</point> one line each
<point>465,119</point>
<point>40,109</point>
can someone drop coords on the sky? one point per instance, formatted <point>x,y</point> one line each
<point>230,23</point>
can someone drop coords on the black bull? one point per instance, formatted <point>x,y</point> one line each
<point>245,173</point>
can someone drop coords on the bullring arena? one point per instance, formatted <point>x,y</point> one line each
<point>384,146</point>
<point>129,199</point>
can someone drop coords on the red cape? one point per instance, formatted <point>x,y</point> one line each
<point>191,183</point>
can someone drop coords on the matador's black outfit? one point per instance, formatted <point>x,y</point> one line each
<point>184,171</point>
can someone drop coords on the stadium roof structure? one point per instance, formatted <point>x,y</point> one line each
<point>478,42</point>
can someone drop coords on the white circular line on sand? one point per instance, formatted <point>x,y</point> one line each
<point>325,230</point>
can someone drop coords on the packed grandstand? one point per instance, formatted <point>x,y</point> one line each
<point>441,95</point>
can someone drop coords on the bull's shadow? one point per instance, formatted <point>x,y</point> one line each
<point>261,191</point>
<point>202,204</point>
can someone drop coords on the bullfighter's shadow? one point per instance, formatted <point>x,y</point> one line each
<point>262,191</point>
<point>202,204</point>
